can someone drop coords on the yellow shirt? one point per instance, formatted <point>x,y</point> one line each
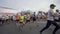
<point>21,18</point>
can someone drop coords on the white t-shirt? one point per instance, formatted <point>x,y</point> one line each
<point>57,15</point>
<point>49,17</point>
<point>14,18</point>
<point>39,15</point>
<point>28,17</point>
<point>7,17</point>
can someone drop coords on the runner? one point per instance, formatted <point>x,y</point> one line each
<point>34,17</point>
<point>39,15</point>
<point>21,21</point>
<point>50,20</point>
<point>17,18</point>
<point>28,18</point>
<point>7,18</point>
<point>57,16</point>
<point>3,19</point>
<point>25,18</point>
<point>14,18</point>
<point>0,19</point>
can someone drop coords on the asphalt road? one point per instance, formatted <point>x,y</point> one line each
<point>29,28</point>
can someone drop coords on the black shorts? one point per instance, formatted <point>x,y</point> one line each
<point>7,19</point>
<point>17,20</point>
<point>21,22</point>
<point>34,19</point>
<point>27,20</point>
<point>56,20</point>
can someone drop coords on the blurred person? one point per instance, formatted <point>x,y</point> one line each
<point>57,16</point>
<point>39,15</point>
<point>7,18</point>
<point>50,20</point>
<point>0,19</point>
<point>44,15</point>
<point>28,18</point>
<point>34,17</point>
<point>17,18</point>
<point>10,19</point>
<point>21,22</point>
<point>25,18</point>
<point>14,18</point>
<point>3,19</point>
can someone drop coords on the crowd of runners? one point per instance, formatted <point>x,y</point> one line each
<point>22,19</point>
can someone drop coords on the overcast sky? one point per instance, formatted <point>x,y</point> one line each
<point>33,5</point>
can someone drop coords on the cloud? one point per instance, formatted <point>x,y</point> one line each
<point>29,4</point>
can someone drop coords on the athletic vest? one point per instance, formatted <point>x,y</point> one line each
<point>21,18</point>
<point>17,17</point>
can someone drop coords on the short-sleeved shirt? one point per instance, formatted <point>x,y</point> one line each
<point>49,17</point>
<point>34,15</point>
<point>28,17</point>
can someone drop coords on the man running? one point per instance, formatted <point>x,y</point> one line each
<point>50,20</point>
<point>3,19</point>
<point>39,15</point>
<point>21,21</point>
<point>17,18</point>
<point>28,18</point>
<point>7,18</point>
<point>34,16</point>
<point>57,15</point>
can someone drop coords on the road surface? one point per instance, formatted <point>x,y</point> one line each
<point>29,28</point>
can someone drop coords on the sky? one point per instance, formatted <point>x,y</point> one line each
<point>33,5</point>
